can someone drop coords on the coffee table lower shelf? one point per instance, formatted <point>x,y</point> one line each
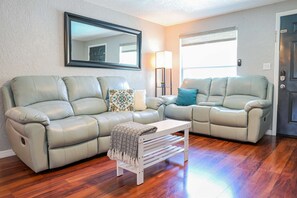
<point>153,158</point>
<point>154,148</point>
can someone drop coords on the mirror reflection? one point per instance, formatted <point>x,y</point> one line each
<point>91,43</point>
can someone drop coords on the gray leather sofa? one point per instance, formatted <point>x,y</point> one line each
<point>238,108</point>
<point>53,121</point>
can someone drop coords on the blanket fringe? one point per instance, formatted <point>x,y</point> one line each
<point>122,156</point>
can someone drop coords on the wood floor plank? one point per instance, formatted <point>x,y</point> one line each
<point>277,160</point>
<point>285,186</point>
<point>216,168</point>
<point>260,183</point>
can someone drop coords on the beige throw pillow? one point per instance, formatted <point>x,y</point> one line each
<point>139,100</point>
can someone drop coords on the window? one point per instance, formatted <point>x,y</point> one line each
<point>211,54</point>
<point>128,54</point>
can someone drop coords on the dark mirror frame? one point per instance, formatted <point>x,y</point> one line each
<point>68,17</point>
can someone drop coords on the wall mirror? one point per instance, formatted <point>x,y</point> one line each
<point>94,43</point>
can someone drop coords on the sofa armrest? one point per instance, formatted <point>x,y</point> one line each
<point>28,141</point>
<point>257,104</point>
<point>169,99</point>
<point>154,103</point>
<point>26,115</point>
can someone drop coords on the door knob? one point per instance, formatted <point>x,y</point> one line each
<point>282,86</point>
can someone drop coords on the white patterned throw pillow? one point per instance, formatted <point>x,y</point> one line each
<point>121,100</point>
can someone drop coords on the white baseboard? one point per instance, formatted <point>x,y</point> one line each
<point>6,153</point>
<point>268,132</point>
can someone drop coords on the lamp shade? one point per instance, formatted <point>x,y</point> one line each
<point>164,59</point>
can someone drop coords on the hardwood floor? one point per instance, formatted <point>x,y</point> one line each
<point>216,168</point>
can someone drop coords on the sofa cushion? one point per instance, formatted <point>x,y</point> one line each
<point>71,131</point>
<point>112,82</point>
<point>146,116</point>
<point>65,155</point>
<point>186,97</point>
<point>247,85</point>
<point>217,90</point>
<point>203,85</point>
<point>106,121</point>
<point>201,113</point>
<point>228,117</point>
<point>103,144</point>
<point>82,87</point>
<point>201,119</point>
<point>89,106</point>
<point>33,89</point>
<point>154,103</point>
<point>55,110</point>
<point>243,89</point>
<point>47,94</point>
<point>238,101</point>
<point>85,95</point>
<point>233,133</point>
<point>179,112</point>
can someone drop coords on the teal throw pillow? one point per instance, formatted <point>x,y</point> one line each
<point>186,97</point>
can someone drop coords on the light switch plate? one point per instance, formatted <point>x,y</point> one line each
<point>266,66</point>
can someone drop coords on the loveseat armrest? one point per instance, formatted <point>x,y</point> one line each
<point>154,103</point>
<point>169,99</point>
<point>262,104</point>
<point>26,115</point>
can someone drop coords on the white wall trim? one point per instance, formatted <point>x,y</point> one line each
<point>276,68</point>
<point>6,153</point>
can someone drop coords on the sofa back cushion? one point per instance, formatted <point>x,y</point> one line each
<point>44,93</point>
<point>217,90</point>
<point>112,82</point>
<point>243,89</point>
<point>202,85</point>
<point>85,95</point>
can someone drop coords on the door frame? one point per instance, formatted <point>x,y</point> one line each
<point>276,68</point>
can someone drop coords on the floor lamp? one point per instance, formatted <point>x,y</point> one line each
<point>163,80</point>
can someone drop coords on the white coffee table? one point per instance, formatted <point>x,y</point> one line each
<point>156,147</point>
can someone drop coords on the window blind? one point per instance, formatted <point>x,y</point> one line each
<point>209,37</point>
<point>129,47</point>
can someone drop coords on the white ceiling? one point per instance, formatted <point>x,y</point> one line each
<point>171,12</point>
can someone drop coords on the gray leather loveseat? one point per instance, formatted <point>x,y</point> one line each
<point>238,108</point>
<point>53,121</point>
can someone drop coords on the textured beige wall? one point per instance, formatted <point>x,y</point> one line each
<point>256,37</point>
<point>32,43</point>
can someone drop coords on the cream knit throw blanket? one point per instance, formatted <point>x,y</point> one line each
<point>124,141</point>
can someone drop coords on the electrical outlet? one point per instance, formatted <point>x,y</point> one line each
<point>266,66</point>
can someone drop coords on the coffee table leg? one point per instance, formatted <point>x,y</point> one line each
<point>140,168</point>
<point>140,177</point>
<point>186,144</point>
<point>120,171</point>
